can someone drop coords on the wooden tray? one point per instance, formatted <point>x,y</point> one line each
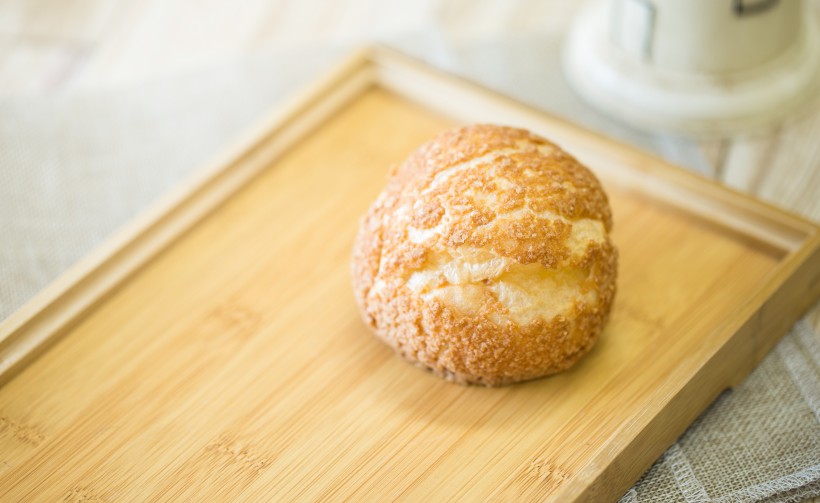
<point>212,350</point>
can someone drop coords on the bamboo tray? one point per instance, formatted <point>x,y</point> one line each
<point>212,350</point>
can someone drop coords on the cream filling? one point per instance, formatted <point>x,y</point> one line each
<point>528,292</point>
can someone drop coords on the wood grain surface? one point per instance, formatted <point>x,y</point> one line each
<point>235,364</point>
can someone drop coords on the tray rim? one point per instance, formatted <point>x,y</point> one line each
<point>38,324</point>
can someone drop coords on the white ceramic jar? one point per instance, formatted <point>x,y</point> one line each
<point>700,66</point>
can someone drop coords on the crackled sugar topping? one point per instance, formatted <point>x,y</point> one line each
<point>487,258</point>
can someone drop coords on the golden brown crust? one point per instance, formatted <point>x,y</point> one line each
<point>487,258</point>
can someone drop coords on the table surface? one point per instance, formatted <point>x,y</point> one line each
<point>53,46</point>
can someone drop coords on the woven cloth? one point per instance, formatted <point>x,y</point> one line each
<point>757,442</point>
<point>74,167</point>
